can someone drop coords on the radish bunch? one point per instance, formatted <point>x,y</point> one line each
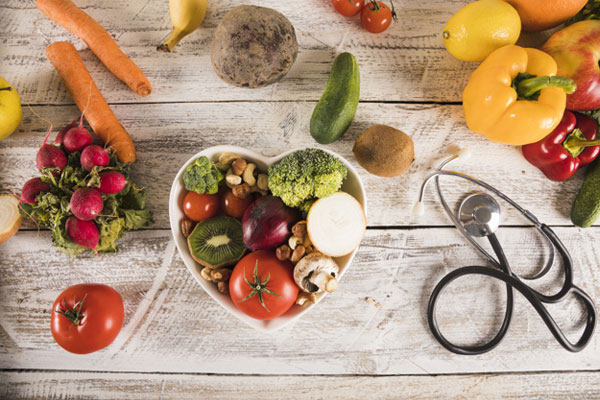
<point>84,176</point>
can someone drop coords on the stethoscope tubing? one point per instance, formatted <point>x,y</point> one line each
<point>529,294</point>
<point>504,273</point>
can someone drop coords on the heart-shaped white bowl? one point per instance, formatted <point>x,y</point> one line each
<point>352,185</point>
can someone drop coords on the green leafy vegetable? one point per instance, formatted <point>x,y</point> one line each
<point>202,176</point>
<point>305,175</point>
<point>122,212</point>
<point>590,11</point>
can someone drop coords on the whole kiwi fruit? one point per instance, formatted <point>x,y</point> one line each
<point>384,151</point>
<point>217,242</point>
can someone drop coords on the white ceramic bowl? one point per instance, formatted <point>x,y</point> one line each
<point>352,185</point>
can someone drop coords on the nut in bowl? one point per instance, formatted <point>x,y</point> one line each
<point>267,240</point>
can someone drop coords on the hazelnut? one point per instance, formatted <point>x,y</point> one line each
<point>299,229</point>
<point>283,252</point>
<point>241,191</point>
<point>238,166</point>
<point>223,287</point>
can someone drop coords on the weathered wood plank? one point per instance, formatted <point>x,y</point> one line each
<point>173,326</point>
<point>408,62</point>
<point>68,385</point>
<point>166,135</point>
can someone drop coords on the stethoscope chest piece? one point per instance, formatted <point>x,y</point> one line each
<point>479,214</point>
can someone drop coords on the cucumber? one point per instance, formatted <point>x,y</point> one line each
<point>586,208</point>
<point>336,108</point>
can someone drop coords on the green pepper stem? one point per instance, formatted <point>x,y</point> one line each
<point>528,87</point>
<point>576,142</point>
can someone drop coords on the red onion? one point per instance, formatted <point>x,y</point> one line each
<point>266,223</point>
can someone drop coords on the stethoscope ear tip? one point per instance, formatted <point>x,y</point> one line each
<point>418,209</point>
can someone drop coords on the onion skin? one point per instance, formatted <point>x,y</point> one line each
<point>267,223</point>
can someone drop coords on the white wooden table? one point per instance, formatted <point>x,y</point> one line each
<point>176,341</point>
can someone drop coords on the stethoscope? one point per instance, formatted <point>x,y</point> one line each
<point>479,216</point>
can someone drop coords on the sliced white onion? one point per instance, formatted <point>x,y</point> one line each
<point>10,219</point>
<point>336,224</point>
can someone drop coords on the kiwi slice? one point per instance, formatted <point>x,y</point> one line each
<point>217,242</point>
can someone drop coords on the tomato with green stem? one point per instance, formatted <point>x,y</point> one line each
<point>376,16</point>
<point>86,317</point>
<point>262,286</point>
<point>348,8</point>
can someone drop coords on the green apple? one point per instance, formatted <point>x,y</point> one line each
<point>10,109</point>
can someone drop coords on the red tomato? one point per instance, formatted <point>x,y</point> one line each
<point>376,16</point>
<point>234,206</point>
<point>348,8</point>
<point>270,290</point>
<point>86,317</point>
<point>199,207</point>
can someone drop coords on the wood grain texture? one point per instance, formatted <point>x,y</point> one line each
<point>171,325</point>
<point>407,62</point>
<point>70,385</point>
<point>166,135</point>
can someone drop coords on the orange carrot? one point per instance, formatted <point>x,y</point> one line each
<point>67,14</point>
<point>84,91</point>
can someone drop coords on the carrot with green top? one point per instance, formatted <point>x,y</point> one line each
<point>88,98</point>
<point>67,14</point>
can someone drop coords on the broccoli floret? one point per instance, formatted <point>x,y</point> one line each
<point>305,175</point>
<point>305,207</point>
<point>202,176</point>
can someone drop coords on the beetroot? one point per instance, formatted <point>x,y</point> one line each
<point>50,155</point>
<point>83,233</point>
<point>94,155</point>
<point>111,182</point>
<point>86,203</point>
<point>266,223</point>
<point>32,188</point>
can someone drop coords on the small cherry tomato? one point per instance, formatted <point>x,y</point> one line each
<point>376,16</point>
<point>199,207</point>
<point>86,317</point>
<point>348,8</point>
<point>234,206</point>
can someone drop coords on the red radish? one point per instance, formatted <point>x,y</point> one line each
<point>32,188</point>
<point>50,155</point>
<point>266,223</point>
<point>94,155</point>
<point>61,134</point>
<point>86,203</point>
<point>111,182</point>
<point>76,139</point>
<point>83,233</point>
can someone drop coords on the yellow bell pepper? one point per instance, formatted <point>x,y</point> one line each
<point>514,97</point>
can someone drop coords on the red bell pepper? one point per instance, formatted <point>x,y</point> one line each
<point>572,144</point>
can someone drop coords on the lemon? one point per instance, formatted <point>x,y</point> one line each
<point>481,27</point>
